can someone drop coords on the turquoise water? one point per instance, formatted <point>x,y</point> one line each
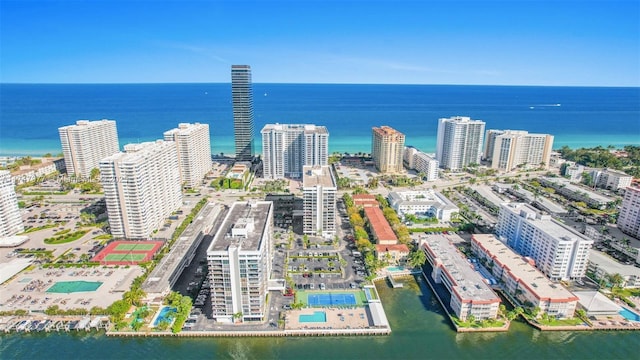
<point>166,313</point>
<point>31,113</point>
<point>318,316</point>
<point>395,268</point>
<point>629,315</point>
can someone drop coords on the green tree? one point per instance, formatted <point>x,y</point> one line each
<point>417,258</point>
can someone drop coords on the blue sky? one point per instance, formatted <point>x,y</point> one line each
<point>517,42</point>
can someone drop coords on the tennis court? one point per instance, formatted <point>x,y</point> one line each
<point>125,257</point>
<point>121,252</point>
<point>134,247</point>
<point>326,299</point>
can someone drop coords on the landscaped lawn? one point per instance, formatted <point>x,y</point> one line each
<point>65,238</point>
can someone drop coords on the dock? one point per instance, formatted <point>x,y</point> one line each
<point>393,283</point>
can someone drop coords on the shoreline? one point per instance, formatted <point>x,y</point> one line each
<point>229,150</point>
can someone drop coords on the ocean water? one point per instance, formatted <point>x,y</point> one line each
<point>577,116</point>
<point>420,331</point>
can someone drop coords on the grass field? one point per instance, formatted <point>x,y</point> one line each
<point>134,247</point>
<point>124,257</point>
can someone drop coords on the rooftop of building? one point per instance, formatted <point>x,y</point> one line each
<point>461,119</point>
<point>138,151</point>
<point>544,222</point>
<point>317,176</point>
<point>386,131</point>
<point>379,224</point>
<point>243,226</point>
<point>46,161</point>
<point>522,269</point>
<point>611,265</point>
<point>186,128</point>
<point>394,247</point>
<point>421,197</point>
<point>307,128</point>
<point>365,200</point>
<point>575,188</point>
<point>468,283</point>
<point>81,124</point>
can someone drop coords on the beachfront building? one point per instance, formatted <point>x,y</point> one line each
<point>559,252</point>
<point>602,266</point>
<point>393,255</point>
<point>521,280</point>
<point>239,262</point>
<point>287,148</point>
<point>319,201</point>
<point>610,179</point>
<point>509,149</point>
<point>467,290</point>
<point>242,100</point>
<point>422,203</point>
<point>194,151</point>
<point>141,188</point>
<point>10,216</point>
<point>379,227</point>
<point>387,146</point>
<point>629,216</point>
<point>421,162</point>
<point>459,142</point>
<point>86,143</point>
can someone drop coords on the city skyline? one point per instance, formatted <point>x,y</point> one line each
<point>595,43</point>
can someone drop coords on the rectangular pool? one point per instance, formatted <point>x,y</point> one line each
<point>629,315</point>
<point>317,316</point>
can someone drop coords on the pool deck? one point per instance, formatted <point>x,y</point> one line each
<point>354,318</point>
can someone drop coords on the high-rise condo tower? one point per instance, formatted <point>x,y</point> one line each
<point>242,97</point>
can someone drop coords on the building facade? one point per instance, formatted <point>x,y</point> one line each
<point>394,255</point>
<point>141,188</point>
<point>521,280</point>
<point>86,143</point>
<point>387,147</point>
<point>421,162</point>
<point>422,203</point>
<point>242,99</point>
<point>559,252</point>
<point>239,262</point>
<point>470,295</point>
<point>459,142</point>
<point>513,148</point>
<point>379,227</point>
<point>319,201</point>
<point>611,179</point>
<point>629,216</point>
<point>287,148</point>
<point>10,216</point>
<point>194,151</point>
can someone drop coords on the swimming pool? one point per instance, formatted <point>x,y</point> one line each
<point>395,268</point>
<point>317,316</point>
<point>629,315</point>
<point>167,313</point>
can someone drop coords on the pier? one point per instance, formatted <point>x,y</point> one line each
<point>393,283</point>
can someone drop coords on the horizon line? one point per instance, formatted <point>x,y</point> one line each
<point>311,83</point>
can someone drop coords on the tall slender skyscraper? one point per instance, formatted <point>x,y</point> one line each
<point>242,97</point>
<point>459,142</point>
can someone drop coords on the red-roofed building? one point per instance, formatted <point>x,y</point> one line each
<point>380,229</point>
<point>365,200</point>
<point>395,254</point>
